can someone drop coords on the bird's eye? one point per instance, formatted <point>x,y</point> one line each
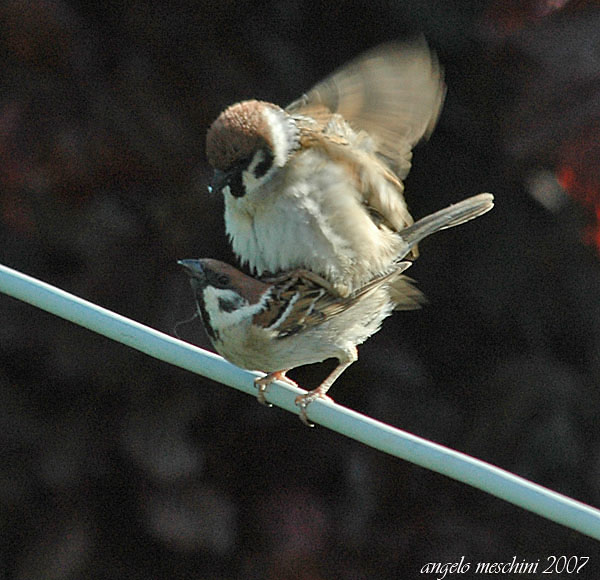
<point>222,280</point>
<point>217,279</point>
<point>264,164</point>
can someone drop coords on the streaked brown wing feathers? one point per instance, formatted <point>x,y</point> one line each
<point>301,299</point>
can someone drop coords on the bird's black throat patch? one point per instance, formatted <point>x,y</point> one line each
<point>210,331</point>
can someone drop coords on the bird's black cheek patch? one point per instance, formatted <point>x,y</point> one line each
<point>229,305</point>
<point>261,169</point>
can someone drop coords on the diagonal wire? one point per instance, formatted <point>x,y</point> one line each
<point>489,478</point>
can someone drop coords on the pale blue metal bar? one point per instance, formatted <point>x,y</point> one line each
<point>459,466</point>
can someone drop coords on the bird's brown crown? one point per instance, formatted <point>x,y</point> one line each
<point>237,133</point>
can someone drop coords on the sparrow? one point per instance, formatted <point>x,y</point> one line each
<point>291,320</point>
<point>318,185</point>
<point>298,318</point>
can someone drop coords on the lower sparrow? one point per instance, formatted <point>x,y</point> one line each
<point>289,321</point>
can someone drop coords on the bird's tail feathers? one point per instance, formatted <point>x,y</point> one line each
<point>448,217</point>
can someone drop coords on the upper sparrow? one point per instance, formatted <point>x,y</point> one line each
<point>318,185</point>
<point>298,317</point>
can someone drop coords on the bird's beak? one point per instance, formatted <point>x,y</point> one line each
<point>219,181</point>
<point>192,267</point>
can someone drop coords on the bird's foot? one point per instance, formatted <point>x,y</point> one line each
<point>262,384</point>
<point>303,401</point>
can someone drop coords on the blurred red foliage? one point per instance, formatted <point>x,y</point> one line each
<point>505,17</point>
<point>578,172</point>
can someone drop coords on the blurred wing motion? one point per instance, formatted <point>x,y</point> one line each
<point>394,92</point>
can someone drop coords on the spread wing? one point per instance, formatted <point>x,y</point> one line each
<point>394,92</point>
<point>301,299</point>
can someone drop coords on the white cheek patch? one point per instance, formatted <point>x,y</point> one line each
<point>250,181</point>
<point>279,135</point>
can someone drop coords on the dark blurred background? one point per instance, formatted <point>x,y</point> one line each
<point>114,465</point>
